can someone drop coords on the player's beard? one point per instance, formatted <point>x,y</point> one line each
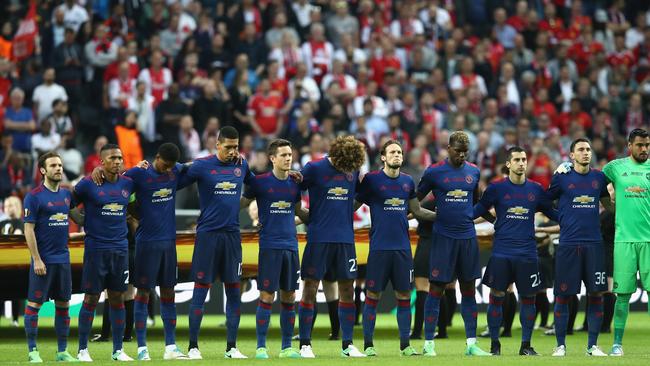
<point>640,158</point>
<point>394,166</point>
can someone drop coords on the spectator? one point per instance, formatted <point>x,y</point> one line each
<point>59,120</point>
<point>574,116</point>
<point>318,53</point>
<point>45,140</point>
<point>73,161</point>
<point>373,125</point>
<point>101,51</point>
<point>264,111</point>
<point>156,77</point>
<point>207,106</point>
<point>47,93</point>
<point>504,32</point>
<point>69,62</point>
<point>340,23</point>
<point>303,86</point>
<point>128,139</point>
<point>253,46</point>
<point>274,35</point>
<point>189,138</point>
<point>73,14</point>
<point>241,65</point>
<point>143,104</point>
<point>15,173</point>
<point>209,147</point>
<point>467,78</point>
<point>19,122</point>
<point>94,160</point>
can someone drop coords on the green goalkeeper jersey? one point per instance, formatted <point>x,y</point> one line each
<point>631,181</point>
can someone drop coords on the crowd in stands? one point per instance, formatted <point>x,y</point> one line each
<point>537,73</point>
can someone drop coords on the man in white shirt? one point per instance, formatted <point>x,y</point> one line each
<point>47,93</point>
<point>74,14</point>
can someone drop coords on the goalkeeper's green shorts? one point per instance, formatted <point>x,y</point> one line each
<point>630,258</point>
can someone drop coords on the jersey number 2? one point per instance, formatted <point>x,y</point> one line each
<point>353,264</point>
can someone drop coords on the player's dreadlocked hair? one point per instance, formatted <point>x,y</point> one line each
<point>347,154</point>
<point>458,137</point>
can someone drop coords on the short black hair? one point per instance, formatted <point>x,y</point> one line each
<point>169,152</point>
<point>387,144</point>
<point>576,141</point>
<point>43,158</point>
<point>637,132</point>
<point>276,144</point>
<point>57,101</point>
<point>108,147</point>
<point>228,132</point>
<point>515,149</point>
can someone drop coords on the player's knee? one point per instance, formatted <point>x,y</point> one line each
<point>373,295</point>
<point>36,305</point>
<point>61,304</point>
<point>164,292</point>
<point>403,295</point>
<point>469,286</point>
<point>497,293</point>
<point>115,297</point>
<point>267,297</point>
<point>91,299</point>
<point>346,291</point>
<point>309,291</point>
<point>288,297</point>
<point>422,284</point>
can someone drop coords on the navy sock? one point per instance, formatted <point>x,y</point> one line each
<point>306,319</point>
<point>469,311</point>
<point>495,315</point>
<point>31,326</point>
<point>62,327</point>
<point>118,323</point>
<point>346,317</point>
<point>403,321</point>
<point>431,313</point>
<point>262,318</point>
<point>527,317</point>
<point>140,313</point>
<point>196,310</point>
<point>594,319</point>
<point>287,322</point>
<point>86,317</point>
<point>233,313</point>
<point>369,319</point>
<point>168,315</point>
<point>561,316</point>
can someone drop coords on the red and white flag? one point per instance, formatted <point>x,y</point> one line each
<point>25,39</point>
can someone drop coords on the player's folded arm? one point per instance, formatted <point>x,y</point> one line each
<point>419,212</point>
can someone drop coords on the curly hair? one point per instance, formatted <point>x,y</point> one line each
<point>458,137</point>
<point>347,154</point>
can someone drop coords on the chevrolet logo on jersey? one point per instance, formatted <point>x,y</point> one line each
<point>113,209</point>
<point>58,219</point>
<point>162,193</point>
<point>337,193</point>
<point>518,210</point>
<point>457,193</point>
<point>280,205</point>
<point>583,199</point>
<point>394,202</point>
<point>226,186</point>
<point>635,189</point>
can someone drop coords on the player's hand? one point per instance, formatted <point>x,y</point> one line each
<point>39,267</point>
<point>240,159</point>
<point>98,175</point>
<point>540,229</point>
<point>296,175</point>
<point>564,168</point>
<point>143,164</point>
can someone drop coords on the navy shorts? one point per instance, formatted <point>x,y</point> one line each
<point>422,257</point>
<point>452,259</point>
<point>217,254</point>
<point>395,266</point>
<point>155,264</point>
<point>580,263</point>
<point>105,269</point>
<point>278,268</point>
<point>502,271</point>
<point>56,284</point>
<point>329,262</point>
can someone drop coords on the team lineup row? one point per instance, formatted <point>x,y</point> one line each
<point>226,185</point>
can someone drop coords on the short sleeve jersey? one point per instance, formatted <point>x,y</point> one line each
<point>388,199</point>
<point>48,211</point>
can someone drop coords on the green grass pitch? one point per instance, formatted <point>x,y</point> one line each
<point>450,351</point>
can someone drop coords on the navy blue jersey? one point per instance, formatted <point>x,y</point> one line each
<point>105,212</point>
<point>515,205</point>
<point>578,205</point>
<point>220,188</point>
<point>156,196</point>
<point>48,211</point>
<point>454,191</point>
<point>388,199</point>
<point>276,200</point>
<point>331,201</point>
